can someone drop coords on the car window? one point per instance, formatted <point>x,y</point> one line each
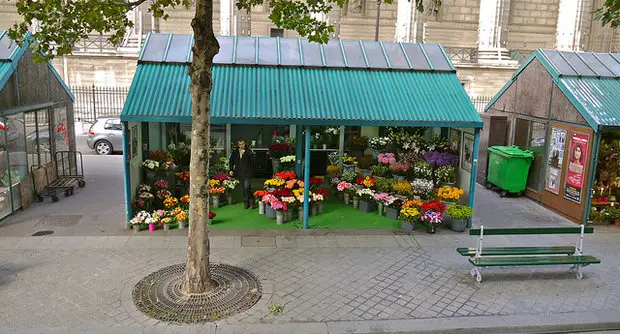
<point>113,124</point>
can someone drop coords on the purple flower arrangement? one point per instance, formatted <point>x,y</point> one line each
<point>440,159</point>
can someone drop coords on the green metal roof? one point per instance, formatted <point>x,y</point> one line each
<point>248,94</point>
<point>11,53</point>
<point>257,93</point>
<point>591,82</point>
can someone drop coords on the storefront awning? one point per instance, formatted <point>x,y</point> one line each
<point>291,81</point>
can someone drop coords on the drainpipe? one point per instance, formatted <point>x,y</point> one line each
<point>299,144</point>
<point>596,148</point>
<point>127,166</point>
<point>307,179</point>
<point>341,147</point>
<point>474,167</point>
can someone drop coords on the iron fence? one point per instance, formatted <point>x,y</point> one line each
<point>93,101</point>
<point>480,102</point>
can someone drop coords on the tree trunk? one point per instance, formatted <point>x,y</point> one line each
<point>197,278</point>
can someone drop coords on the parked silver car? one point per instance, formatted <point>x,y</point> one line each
<point>106,135</point>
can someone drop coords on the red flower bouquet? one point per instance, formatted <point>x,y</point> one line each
<point>282,193</point>
<point>322,192</point>
<point>221,177</point>
<point>287,175</point>
<point>279,150</point>
<point>436,206</point>
<point>259,194</point>
<point>211,214</point>
<point>183,176</point>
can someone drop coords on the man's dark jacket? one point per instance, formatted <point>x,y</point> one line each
<point>242,167</point>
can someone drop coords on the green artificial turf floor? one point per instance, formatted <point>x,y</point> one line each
<point>335,215</point>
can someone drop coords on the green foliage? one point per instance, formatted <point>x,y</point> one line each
<point>609,13</point>
<point>384,185</point>
<point>458,211</point>
<point>380,170</point>
<point>60,24</point>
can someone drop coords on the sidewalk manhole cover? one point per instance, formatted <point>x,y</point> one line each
<point>159,295</point>
<point>40,233</point>
<point>61,221</point>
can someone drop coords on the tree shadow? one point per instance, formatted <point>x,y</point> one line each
<point>9,272</point>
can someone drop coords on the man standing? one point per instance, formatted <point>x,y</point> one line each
<point>241,166</point>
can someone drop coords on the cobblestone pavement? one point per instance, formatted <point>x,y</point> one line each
<point>80,283</point>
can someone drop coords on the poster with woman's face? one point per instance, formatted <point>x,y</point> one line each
<point>575,172</point>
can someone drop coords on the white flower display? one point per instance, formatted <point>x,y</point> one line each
<point>150,164</point>
<point>287,159</point>
<point>140,218</point>
<point>230,184</point>
<point>421,186</point>
<point>379,143</point>
<point>331,131</point>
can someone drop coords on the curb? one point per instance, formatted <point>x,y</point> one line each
<point>547,323</point>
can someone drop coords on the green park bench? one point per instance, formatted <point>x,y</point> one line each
<point>482,257</point>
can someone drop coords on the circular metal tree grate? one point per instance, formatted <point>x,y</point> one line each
<point>159,295</point>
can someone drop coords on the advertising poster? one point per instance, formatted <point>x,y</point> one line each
<point>575,173</point>
<point>556,157</point>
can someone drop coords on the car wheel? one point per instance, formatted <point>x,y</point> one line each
<point>103,147</point>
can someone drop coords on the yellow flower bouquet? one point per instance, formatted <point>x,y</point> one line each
<point>274,183</point>
<point>402,188</point>
<point>449,194</point>
<point>410,214</point>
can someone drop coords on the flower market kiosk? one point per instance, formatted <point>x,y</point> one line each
<point>339,120</point>
<point>565,107</point>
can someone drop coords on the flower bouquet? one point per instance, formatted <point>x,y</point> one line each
<point>402,188</point>
<point>379,143</point>
<point>258,198</point>
<point>410,216</point>
<point>215,190</point>
<point>366,199</point>
<point>350,177</point>
<point>380,170</point>
<point>422,188</point>
<point>139,219</point>
<point>423,170</point>
<point>317,201</point>
<point>383,201</point>
<point>438,159</point>
<point>315,183</point>
<point>386,158</point>
<point>343,187</point>
<point>293,184</point>
<point>445,175</point>
<point>279,207</point>
<point>323,193</point>
<point>181,216</point>
<point>185,202</point>
<point>287,162</point>
<point>367,182</point>
<point>400,170</point>
<point>274,183</point>
<point>458,216</point>
<point>183,176</point>
<point>449,194</point>
<point>286,175</point>
<point>230,186</point>
<point>151,165</point>
<point>432,219</point>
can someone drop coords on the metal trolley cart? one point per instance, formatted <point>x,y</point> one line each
<point>69,173</point>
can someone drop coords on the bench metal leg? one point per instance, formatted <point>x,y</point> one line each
<point>576,269</point>
<point>475,272</point>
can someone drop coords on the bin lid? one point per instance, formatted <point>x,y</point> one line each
<point>512,151</point>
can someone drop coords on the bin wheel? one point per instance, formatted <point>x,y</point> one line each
<point>81,183</point>
<point>55,198</point>
<point>519,194</point>
<point>503,194</point>
<point>68,192</point>
<point>488,185</point>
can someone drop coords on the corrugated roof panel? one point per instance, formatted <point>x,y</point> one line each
<point>598,97</point>
<point>264,51</point>
<point>248,94</point>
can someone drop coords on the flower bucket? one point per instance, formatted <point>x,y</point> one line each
<point>367,205</point>
<point>166,227</point>
<point>261,208</point>
<point>457,225</point>
<point>348,168</point>
<point>356,202</point>
<point>391,213</point>
<point>151,227</point>
<point>275,164</point>
<point>181,225</point>
<point>321,208</point>
<point>314,209</point>
<point>229,199</point>
<point>136,228</point>
<point>406,227</point>
<point>300,213</point>
<point>380,209</point>
<point>216,201</point>
<point>279,217</point>
<point>399,178</point>
<point>288,215</point>
<point>431,228</point>
<point>270,212</point>
<point>347,198</point>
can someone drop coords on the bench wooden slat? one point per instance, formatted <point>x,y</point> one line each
<point>532,260</point>
<point>518,250</point>
<point>533,230</point>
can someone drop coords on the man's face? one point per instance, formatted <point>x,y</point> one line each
<point>241,144</point>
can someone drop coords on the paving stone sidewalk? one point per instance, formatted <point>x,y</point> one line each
<point>326,283</point>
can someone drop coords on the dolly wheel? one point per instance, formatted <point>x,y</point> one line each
<point>67,192</point>
<point>55,199</point>
<point>81,183</point>
<point>39,198</point>
<point>504,193</point>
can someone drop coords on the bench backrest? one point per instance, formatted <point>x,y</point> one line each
<point>532,230</point>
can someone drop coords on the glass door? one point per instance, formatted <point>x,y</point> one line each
<point>5,189</point>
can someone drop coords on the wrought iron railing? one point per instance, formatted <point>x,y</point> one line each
<point>92,102</point>
<point>480,102</point>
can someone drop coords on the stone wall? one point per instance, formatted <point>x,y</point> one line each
<point>532,24</point>
<point>484,81</point>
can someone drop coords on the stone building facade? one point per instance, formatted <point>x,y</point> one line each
<point>485,38</point>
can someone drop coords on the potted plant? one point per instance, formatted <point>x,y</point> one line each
<point>348,164</point>
<point>423,170</point>
<point>386,158</point>
<point>393,209</point>
<point>269,211</point>
<point>323,194</point>
<point>400,170</point>
<point>139,219</point>
<point>445,175</point>
<point>279,207</point>
<point>457,217</point>
<point>379,144</point>
<point>215,190</point>
<point>383,201</point>
<point>364,163</point>
<point>384,184</point>
<point>333,170</point>
<point>402,188</point>
<point>422,188</point>
<point>151,221</point>
<point>409,215</point>
<point>230,186</point>
<point>350,177</point>
<point>380,170</point>
<point>449,195</point>
<point>258,197</point>
<point>277,151</point>
<point>432,215</point>
<point>343,187</point>
<point>357,144</point>
<point>366,200</point>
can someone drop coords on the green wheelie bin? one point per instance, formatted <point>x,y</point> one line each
<point>508,169</point>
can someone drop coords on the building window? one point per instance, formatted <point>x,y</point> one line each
<point>276,32</point>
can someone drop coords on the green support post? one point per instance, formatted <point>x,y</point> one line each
<point>474,167</point>
<point>307,179</point>
<point>596,148</point>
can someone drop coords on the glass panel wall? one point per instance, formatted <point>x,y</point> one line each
<point>5,194</point>
<point>43,131</point>
<point>17,157</point>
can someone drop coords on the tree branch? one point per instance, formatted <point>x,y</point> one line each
<point>135,4</point>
